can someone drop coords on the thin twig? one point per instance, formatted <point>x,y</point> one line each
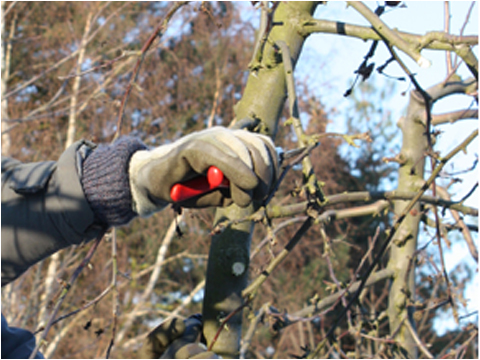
<point>157,270</point>
<point>467,19</point>
<point>84,307</point>
<point>465,231</point>
<point>157,32</point>
<point>247,339</point>
<point>65,291</point>
<point>115,293</point>
<point>10,7</point>
<point>309,177</point>
<point>253,287</point>
<point>419,343</point>
<point>224,323</point>
<point>448,54</point>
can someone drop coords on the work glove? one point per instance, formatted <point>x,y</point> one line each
<point>247,160</point>
<point>177,339</point>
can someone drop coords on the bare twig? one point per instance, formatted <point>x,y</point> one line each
<point>465,231</point>
<point>84,307</point>
<point>419,343</point>
<point>448,54</point>
<point>247,339</point>
<point>216,96</point>
<point>309,177</point>
<point>176,313</point>
<point>115,293</point>
<point>7,10</point>
<point>6,69</point>
<point>253,287</point>
<point>157,32</point>
<point>467,19</point>
<point>65,291</point>
<point>454,116</point>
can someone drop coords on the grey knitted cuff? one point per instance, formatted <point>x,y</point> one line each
<point>105,181</point>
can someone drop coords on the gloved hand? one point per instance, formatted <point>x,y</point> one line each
<point>248,161</point>
<point>177,339</point>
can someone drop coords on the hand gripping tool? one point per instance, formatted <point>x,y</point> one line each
<point>199,185</point>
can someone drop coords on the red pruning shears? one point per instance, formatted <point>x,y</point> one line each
<point>199,185</point>
<point>215,179</point>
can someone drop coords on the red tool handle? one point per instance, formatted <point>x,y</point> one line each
<point>199,185</point>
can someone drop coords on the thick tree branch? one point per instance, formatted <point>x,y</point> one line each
<point>278,211</point>
<point>436,40</point>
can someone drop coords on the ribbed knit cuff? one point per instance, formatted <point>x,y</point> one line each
<point>105,181</point>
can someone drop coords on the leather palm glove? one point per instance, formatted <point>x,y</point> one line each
<point>177,339</point>
<point>247,160</point>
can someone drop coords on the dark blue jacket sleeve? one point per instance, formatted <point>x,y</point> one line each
<point>17,343</point>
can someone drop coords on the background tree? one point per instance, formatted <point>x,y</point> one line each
<point>354,282</point>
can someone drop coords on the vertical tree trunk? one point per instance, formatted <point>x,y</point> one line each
<point>263,100</point>
<point>6,56</point>
<point>72,126</point>
<point>404,244</point>
<point>411,178</point>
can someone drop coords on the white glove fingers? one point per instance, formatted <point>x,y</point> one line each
<point>224,139</point>
<point>265,161</point>
<point>240,196</point>
<point>259,142</point>
<point>201,155</point>
<point>230,144</point>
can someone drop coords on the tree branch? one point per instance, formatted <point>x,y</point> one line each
<point>454,116</point>
<point>329,300</point>
<point>279,211</point>
<point>389,35</point>
<point>465,231</point>
<point>437,40</point>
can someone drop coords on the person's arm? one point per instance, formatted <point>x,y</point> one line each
<point>48,206</point>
